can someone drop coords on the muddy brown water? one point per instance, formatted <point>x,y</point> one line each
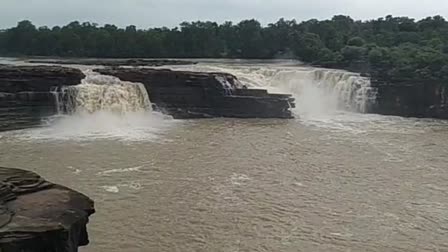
<point>330,181</point>
<point>360,183</point>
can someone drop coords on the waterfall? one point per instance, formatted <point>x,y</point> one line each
<point>103,107</point>
<point>228,89</point>
<point>326,89</point>
<point>317,90</point>
<point>101,93</point>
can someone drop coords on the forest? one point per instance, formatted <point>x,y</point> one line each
<point>391,47</point>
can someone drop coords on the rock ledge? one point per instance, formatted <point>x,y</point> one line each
<point>36,215</point>
<point>186,94</point>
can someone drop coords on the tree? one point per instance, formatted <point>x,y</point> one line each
<point>328,58</point>
<point>353,53</point>
<point>20,37</point>
<point>356,41</point>
<point>251,42</point>
<point>395,47</point>
<point>376,56</point>
<point>308,47</point>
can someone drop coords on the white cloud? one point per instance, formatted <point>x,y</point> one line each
<point>146,13</point>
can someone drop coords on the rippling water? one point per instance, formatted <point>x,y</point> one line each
<point>340,182</point>
<point>379,184</point>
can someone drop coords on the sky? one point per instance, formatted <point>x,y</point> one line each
<point>156,13</point>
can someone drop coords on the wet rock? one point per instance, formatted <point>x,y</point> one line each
<point>14,79</point>
<point>115,62</point>
<point>184,94</point>
<point>403,96</point>
<point>25,93</point>
<point>423,99</point>
<point>36,215</point>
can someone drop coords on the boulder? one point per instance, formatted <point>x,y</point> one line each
<point>185,94</point>
<point>36,215</point>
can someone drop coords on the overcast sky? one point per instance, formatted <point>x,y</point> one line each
<point>150,13</point>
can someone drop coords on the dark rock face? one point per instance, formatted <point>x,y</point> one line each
<point>115,62</point>
<point>36,215</point>
<point>25,93</point>
<point>15,79</point>
<point>423,99</point>
<point>403,97</point>
<point>185,94</point>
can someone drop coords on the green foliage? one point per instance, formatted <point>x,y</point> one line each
<point>307,47</point>
<point>329,58</point>
<point>393,47</point>
<point>376,56</point>
<point>356,41</point>
<point>353,53</point>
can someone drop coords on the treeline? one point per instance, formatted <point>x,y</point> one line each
<point>390,47</point>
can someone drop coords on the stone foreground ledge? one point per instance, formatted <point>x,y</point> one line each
<point>37,215</point>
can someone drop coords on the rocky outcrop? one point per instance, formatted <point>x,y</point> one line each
<point>401,96</point>
<point>424,99</point>
<point>16,79</point>
<point>25,93</point>
<point>184,94</point>
<point>115,62</point>
<point>36,215</point>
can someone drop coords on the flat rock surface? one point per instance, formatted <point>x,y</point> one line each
<point>15,79</point>
<point>37,215</point>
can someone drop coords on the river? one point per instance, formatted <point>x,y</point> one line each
<point>331,180</point>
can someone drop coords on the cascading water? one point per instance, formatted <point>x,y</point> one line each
<point>100,93</point>
<point>324,90</point>
<point>317,91</point>
<point>327,98</point>
<point>103,107</point>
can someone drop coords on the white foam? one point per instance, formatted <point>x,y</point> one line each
<point>116,188</point>
<point>121,170</point>
<point>239,179</point>
<point>111,189</point>
<point>100,93</point>
<point>324,98</point>
<point>132,126</point>
<point>102,107</point>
